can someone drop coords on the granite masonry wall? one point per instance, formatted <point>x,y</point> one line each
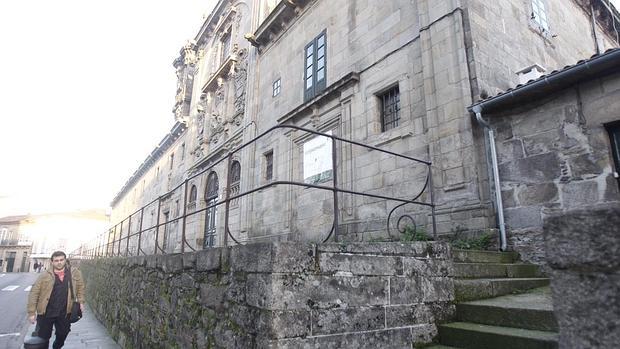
<point>276,295</point>
<point>554,156</point>
<point>582,252</point>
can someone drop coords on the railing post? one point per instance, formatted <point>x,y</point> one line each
<point>140,231</point>
<point>120,238</point>
<point>430,176</point>
<point>227,204</point>
<point>183,242</point>
<point>157,225</point>
<point>128,235</point>
<point>335,179</point>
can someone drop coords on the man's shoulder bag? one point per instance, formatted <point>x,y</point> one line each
<point>76,311</point>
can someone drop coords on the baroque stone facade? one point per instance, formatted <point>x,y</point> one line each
<point>397,75</point>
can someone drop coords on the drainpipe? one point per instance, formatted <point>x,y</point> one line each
<point>498,192</point>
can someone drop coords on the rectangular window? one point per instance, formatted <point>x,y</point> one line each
<point>390,108</point>
<point>614,138</point>
<point>225,47</point>
<point>171,161</point>
<point>539,14</point>
<point>276,87</point>
<point>269,165</point>
<point>315,65</point>
<point>183,151</point>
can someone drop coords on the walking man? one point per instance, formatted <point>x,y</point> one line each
<point>50,301</point>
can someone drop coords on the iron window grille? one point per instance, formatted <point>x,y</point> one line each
<point>211,213</point>
<point>193,194</point>
<point>269,165</point>
<point>315,66</point>
<point>390,108</point>
<point>235,180</point>
<point>276,87</point>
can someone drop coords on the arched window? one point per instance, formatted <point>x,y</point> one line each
<point>193,194</point>
<point>235,179</point>
<point>212,186</point>
<point>235,172</point>
<point>211,213</point>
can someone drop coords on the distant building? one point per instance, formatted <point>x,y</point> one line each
<point>27,239</point>
<point>15,248</point>
<point>398,75</point>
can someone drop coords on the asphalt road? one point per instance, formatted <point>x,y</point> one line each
<point>13,299</point>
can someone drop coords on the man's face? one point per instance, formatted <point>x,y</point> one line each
<point>59,262</point>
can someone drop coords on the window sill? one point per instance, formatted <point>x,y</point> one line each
<point>387,137</point>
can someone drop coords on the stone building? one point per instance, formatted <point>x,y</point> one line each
<point>14,245</point>
<point>558,141</point>
<point>396,75</point>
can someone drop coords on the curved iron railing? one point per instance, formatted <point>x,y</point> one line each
<point>113,247</point>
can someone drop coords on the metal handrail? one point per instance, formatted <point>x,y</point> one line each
<point>108,249</point>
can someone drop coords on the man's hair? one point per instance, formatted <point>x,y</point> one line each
<point>58,254</point>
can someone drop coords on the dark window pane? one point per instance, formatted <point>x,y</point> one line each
<point>269,165</point>
<point>390,109</point>
<point>235,172</point>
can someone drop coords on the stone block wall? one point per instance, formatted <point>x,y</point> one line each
<point>555,156</point>
<point>582,252</point>
<point>276,295</point>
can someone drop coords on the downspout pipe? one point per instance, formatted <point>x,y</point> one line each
<point>499,206</point>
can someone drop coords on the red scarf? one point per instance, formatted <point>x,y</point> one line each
<point>60,274</point>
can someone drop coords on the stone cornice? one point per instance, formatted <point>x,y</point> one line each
<point>277,21</point>
<point>327,94</point>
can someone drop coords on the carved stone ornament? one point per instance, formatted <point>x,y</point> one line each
<point>240,79</point>
<point>189,53</point>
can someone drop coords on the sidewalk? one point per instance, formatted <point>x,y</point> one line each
<point>88,333</point>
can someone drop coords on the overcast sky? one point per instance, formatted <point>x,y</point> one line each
<point>86,93</point>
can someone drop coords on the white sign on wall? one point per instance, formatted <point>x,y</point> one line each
<point>318,159</point>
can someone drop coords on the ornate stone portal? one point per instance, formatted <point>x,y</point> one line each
<point>185,66</point>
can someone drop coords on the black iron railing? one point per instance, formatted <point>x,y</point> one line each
<point>108,244</point>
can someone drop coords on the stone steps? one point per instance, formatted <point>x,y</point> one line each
<point>532,310</point>
<point>473,289</point>
<point>489,313</point>
<point>472,256</point>
<point>496,270</point>
<point>477,336</point>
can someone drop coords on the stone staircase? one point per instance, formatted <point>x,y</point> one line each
<point>501,304</point>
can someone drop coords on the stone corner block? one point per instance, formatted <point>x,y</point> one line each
<point>172,263</point>
<point>209,259</point>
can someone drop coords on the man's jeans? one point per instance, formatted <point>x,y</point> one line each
<point>62,325</point>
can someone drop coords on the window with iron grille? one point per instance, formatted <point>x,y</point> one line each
<point>539,14</point>
<point>269,165</point>
<point>193,194</point>
<point>276,87</point>
<point>235,172</point>
<point>390,108</point>
<point>614,137</point>
<point>235,180</point>
<point>315,62</point>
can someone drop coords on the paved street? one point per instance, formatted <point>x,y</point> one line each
<point>88,333</point>
<point>13,299</point>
